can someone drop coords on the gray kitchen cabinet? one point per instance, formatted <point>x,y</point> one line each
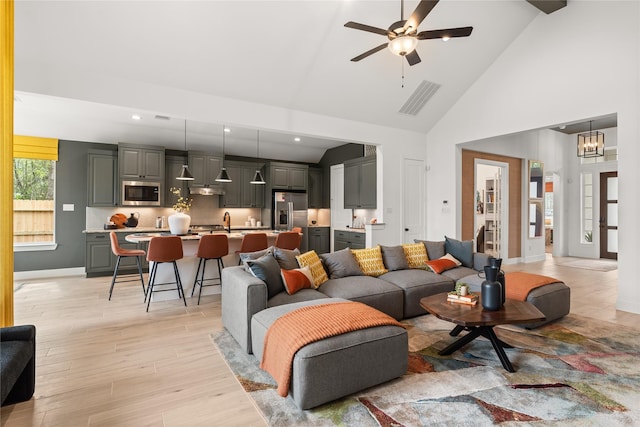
<point>319,239</point>
<point>100,260</point>
<point>316,193</point>
<point>101,167</point>
<point>241,193</point>
<point>204,168</point>
<point>173,167</point>
<point>360,183</point>
<point>252,194</point>
<point>348,239</point>
<point>288,176</point>
<point>141,162</point>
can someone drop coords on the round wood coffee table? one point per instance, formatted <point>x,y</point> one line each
<point>480,322</point>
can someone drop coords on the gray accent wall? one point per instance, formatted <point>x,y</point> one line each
<point>71,188</point>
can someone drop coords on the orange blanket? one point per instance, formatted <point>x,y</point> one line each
<point>294,330</point>
<point>519,284</point>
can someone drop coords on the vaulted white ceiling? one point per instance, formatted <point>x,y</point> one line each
<point>293,55</point>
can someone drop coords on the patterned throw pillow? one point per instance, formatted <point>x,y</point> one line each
<point>416,255</point>
<point>296,279</point>
<point>370,261</point>
<point>312,260</point>
<point>445,263</point>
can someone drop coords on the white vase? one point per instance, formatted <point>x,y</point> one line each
<point>179,223</point>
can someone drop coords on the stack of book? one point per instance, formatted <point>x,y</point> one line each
<point>469,299</point>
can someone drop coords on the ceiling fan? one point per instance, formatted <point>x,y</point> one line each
<point>403,35</point>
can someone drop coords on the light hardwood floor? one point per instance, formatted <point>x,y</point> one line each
<point>108,363</point>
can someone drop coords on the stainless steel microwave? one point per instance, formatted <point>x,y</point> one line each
<point>140,193</point>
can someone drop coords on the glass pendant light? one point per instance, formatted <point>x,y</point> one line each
<point>257,178</point>
<point>223,176</point>
<point>185,175</point>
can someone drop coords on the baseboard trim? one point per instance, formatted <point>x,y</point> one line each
<point>43,274</point>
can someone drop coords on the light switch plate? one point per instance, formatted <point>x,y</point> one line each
<point>68,207</point>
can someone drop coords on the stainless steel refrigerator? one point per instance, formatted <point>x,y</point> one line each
<point>290,210</point>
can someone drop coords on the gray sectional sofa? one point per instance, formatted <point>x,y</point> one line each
<point>396,293</point>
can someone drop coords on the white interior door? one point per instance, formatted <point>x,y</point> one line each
<point>412,200</point>
<point>340,217</point>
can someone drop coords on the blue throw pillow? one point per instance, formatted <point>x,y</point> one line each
<point>267,269</point>
<point>463,251</point>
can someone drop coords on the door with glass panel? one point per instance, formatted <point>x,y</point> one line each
<point>609,215</point>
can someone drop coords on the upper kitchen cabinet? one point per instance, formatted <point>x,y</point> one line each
<point>360,183</point>
<point>101,166</point>
<point>173,167</point>
<point>204,168</point>
<point>240,193</point>
<point>288,176</point>
<point>316,188</point>
<point>141,162</point>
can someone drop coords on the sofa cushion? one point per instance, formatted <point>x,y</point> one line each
<point>459,272</point>
<point>416,254</point>
<point>14,357</point>
<point>394,258</point>
<point>341,263</point>
<point>296,279</point>
<point>286,257</point>
<point>416,284</point>
<point>370,261</point>
<point>372,291</point>
<point>462,250</point>
<point>302,295</point>
<point>312,260</point>
<point>435,249</point>
<point>267,269</point>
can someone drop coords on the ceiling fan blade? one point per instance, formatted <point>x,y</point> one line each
<point>449,32</point>
<point>368,28</point>
<point>421,12</point>
<point>369,52</point>
<point>412,57</point>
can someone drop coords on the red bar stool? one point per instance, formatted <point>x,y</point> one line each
<point>288,240</point>
<point>211,246</point>
<point>121,253</point>
<point>164,249</point>
<point>253,242</point>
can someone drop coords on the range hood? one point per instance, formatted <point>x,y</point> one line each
<point>206,191</point>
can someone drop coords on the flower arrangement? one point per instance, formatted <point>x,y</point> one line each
<point>183,204</point>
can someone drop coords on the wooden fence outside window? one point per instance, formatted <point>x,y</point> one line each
<point>33,221</point>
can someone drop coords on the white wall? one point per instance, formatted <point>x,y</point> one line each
<point>579,62</point>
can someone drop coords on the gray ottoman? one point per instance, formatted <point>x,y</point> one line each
<point>553,300</point>
<point>337,366</point>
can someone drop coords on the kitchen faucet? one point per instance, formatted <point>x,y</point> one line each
<point>226,219</point>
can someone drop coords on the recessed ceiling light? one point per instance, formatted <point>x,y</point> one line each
<point>227,130</point>
<point>136,117</point>
<point>563,126</point>
<point>296,139</point>
<point>159,117</point>
<point>446,38</point>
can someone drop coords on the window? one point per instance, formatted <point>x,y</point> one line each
<point>610,155</point>
<point>587,207</point>
<point>33,201</point>
<point>34,192</point>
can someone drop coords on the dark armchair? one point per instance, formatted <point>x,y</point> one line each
<point>17,363</point>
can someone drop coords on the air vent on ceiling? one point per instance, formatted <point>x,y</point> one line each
<point>419,98</point>
<point>159,117</point>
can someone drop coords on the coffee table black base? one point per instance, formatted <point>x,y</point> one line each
<point>475,332</point>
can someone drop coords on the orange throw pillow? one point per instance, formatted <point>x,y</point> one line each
<point>297,279</point>
<point>441,264</point>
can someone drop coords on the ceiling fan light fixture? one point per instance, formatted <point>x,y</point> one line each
<point>402,45</point>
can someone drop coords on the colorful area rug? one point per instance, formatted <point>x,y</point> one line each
<point>578,371</point>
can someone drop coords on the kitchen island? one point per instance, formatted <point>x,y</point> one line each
<point>188,265</point>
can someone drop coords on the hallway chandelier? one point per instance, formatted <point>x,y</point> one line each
<point>591,144</point>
